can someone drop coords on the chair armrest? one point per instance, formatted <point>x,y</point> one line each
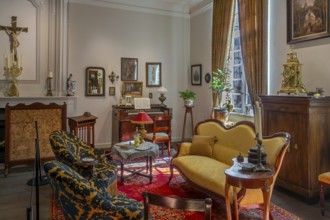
<point>183,149</point>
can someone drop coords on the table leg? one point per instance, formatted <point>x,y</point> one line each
<point>235,204</point>
<point>150,163</point>
<point>147,164</point>
<point>121,173</point>
<point>227,187</point>
<point>266,195</point>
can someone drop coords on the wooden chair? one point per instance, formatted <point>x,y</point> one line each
<point>162,132</point>
<point>324,182</point>
<point>199,205</point>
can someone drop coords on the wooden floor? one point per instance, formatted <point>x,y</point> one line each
<point>15,194</point>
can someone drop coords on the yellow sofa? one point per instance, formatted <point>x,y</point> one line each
<point>202,163</point>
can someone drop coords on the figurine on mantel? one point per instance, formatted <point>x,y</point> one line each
<point>70,86</point>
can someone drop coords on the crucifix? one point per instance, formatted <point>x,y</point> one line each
<point>13,31</point>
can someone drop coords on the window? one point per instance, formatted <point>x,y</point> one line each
<point>239,94</point>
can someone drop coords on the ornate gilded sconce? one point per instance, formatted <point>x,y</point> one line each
<point>113,77</point>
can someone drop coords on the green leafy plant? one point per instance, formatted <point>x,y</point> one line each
<point>220,81</point>
<point>187,94</point>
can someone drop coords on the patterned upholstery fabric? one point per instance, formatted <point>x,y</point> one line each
<point>70,150</point>
<point>81,198</point>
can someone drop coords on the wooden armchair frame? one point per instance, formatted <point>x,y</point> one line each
<point>200,205</point>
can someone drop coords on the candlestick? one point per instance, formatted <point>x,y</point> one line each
<point>49,86</point>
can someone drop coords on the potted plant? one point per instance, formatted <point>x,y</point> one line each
<point>188,97</point>
<point>218,85</point>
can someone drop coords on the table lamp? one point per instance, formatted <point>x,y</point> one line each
<point>142,118</point>
<point>162,92</point>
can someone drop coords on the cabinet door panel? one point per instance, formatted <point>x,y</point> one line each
<point>292,170</point>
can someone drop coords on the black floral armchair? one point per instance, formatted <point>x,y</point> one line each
<point>82,198</point>
<point>70,150</point>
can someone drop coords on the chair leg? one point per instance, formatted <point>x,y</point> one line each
<point>322,198</point>
<point>169,148</point>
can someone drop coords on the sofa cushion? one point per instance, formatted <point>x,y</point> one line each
<point>202,145</point>
<point>203,171</point>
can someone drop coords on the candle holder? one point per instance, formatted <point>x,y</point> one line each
<point>12,72</point>
<point>49,86</point>
<point>113,77</point>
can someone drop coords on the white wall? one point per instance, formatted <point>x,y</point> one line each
<point>200,53</point>
<point>314,55</point>
<point>34,43</point>
<point>101,36</point>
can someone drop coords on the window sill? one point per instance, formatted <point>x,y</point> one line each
<point>236,117</point>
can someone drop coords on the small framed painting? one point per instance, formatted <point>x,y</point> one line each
<point>129,69</point>
<point>307,20</point>
<point>95,81</point>
<point>133,89</point>
<point>112,91</point>
<point>196,75</point>
<point>154,74</point>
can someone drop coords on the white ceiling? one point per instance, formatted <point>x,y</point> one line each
<point>176,7</point>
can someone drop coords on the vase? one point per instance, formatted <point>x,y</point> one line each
<point>216,98</point>
<point>221,114</point>
<point>189,102</point>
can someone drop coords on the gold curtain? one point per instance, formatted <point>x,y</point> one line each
<point>253,18</point>
<point>221,31</point>
<point>222,22</point>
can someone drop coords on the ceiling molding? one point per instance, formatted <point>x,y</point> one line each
<point>176,8</point>
<point>201,10</point>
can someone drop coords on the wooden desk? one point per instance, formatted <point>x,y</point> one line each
<point>123,129</point>
<point>236,177</point>
<point>83,127</point>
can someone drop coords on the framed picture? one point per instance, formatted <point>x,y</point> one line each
<point>129,69</point>
<point>133,89</point>
<point>196,75</point>
<point>208,77</point>
<point>154,74</point>
<point>95,81</point>
<point>112,91</point>
<point>307,20</point>
<point>128,100</point>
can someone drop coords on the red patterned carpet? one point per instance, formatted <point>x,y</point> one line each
<point>135,185</point>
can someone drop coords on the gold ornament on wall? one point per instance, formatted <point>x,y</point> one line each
<point>13,66</point>
<point>292,82</point>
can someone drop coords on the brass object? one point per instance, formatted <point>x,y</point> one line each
<point>13,68</point>
<point>291,82</point>
<point>162,99</point>
<point>49,87</point>
<point>113,77</point>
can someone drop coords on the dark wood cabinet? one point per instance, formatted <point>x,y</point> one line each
<point>123,129</point>
<point>307,119</point>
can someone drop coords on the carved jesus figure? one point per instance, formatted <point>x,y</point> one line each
<point>13,31</point>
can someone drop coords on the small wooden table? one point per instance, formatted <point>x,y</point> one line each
<point>83,127</point>
<point>126,154</point>
<point>236,177</point>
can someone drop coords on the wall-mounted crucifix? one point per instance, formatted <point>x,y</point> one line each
<point>13,31</point>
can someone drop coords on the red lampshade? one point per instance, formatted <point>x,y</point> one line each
<point>142,118</point>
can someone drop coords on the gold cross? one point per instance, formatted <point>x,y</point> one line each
<point>13,31</point>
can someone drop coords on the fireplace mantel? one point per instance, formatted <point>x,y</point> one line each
<point>70,101</point>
